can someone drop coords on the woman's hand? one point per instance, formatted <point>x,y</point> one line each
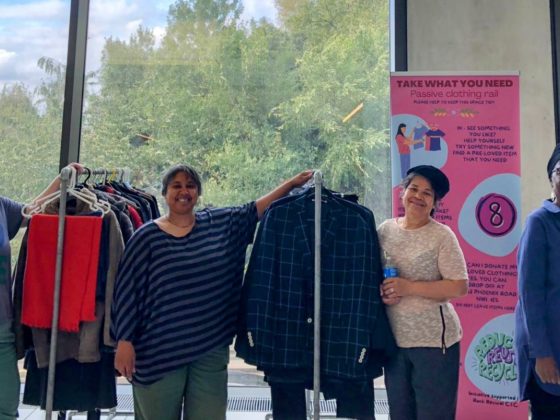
<point>395,287</point>
<point>547,370</point>
<point>388,300</point>
<point>125,359</point>
<point>55,183</point>
<point>440,290</point>
<point>77,166</point>
<point>281,191</point>
<point>301,178</point>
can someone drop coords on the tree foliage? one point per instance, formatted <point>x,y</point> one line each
<point>246,103</point>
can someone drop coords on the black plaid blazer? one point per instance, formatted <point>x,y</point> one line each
<point>276,319</point>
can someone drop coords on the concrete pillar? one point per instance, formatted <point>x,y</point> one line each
<point>494,35</point>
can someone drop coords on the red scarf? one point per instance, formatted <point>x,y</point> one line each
<point>82,238</point>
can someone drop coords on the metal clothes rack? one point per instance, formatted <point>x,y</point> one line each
<point>124,174</point>
<point>313,408</point>
<point>318,178</point>
<point>65,176</point>
<point>68,179</point>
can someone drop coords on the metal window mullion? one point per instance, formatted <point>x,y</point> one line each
<point>399,22</point>
<point>318,178</point>
<point>74,87</point>
<point>555,42</point>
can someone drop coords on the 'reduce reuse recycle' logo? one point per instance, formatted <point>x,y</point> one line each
<point>491,363</point>
<point>496,357</point>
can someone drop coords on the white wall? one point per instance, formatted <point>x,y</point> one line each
<point>495,35</point>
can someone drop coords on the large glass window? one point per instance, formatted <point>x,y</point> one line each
<point>33,49</point>
<point>248,99</point>
<point>248,92</point>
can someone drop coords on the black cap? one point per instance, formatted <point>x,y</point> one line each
<point>438,180</point>
<point>554,158</point>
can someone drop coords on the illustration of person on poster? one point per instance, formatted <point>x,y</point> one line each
<point>403,144</point>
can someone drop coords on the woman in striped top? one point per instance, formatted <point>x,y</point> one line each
<point>176,298</point>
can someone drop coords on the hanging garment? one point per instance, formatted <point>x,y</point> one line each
<point>119,206</point>
<point>85,363</point>
<point>420,131</point>
<point>79,273</point>
<point>74,345</point>
<point>135,217</point>
<point>78,386</point>
<point>435,137</point>
<point>82,346</point>
<point>276,320</point>
<point>139,206</point>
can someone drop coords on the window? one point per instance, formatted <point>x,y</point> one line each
<point>249,92</point>
<point>247,99</point>
<point>33,47</point>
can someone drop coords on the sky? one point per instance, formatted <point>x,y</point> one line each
<point>31,29</point>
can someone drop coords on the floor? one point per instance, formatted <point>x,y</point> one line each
<point>248,398</point>
<point>244,403</point>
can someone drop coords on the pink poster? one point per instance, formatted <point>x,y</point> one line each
<point>468,126</point>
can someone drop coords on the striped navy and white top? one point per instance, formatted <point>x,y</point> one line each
<point>177,298</point>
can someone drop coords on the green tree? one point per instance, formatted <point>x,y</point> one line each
<point>250,103</point>
<point>29,140</point>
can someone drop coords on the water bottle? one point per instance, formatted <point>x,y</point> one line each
<point>389,270</point>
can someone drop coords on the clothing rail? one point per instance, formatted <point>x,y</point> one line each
<point>122,173</point>
<point>318,178</point>
<point>68,179</point>
<point>65,176</point>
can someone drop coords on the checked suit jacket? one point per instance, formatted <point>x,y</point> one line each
<point>276,319</point>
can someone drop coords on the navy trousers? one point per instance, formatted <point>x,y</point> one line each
<point>354,401</point>
<point>544,406</point>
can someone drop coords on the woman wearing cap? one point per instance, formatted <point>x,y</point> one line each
<point>537,335</point>
<point>422,377</point>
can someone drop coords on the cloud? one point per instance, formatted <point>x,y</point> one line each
<point>257,9</point>
<point>30,38</point>
<point>34,10</point>
<point>119,19</point>
<point>110,17</point>
<point>39,28</point>
<point>6,56</point>
<point>7,66</point>
<point>132,26</point>
<point>113,9</point>
<point>159,33</point>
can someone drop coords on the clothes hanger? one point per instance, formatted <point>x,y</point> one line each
<point>87,177</point>
<point>84,196</point>
<point>309,190</point>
